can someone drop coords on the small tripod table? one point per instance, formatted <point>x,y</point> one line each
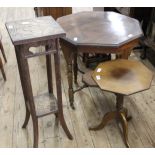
<point>121,77</point>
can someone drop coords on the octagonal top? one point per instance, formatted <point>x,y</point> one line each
<point>123,76</point>
<point>98,28</point>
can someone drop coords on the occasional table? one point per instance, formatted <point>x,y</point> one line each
<point>42,31</point>
<point>121,77</point>
<point>96,32</point>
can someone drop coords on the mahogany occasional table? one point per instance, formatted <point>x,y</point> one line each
<point>32,33</point>
<point>96,32</point>
<point>121,77</point>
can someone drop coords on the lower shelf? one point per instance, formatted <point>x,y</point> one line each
<point>45,104</point>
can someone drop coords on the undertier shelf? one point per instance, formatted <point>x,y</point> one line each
<point>45,104</point>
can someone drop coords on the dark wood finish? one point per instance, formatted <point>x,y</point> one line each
<point>2,70</point>
<point>2,49</point>
<point>142,14</point>
<point>55,12</point>
<point>96,32</point>
<point>43,31</point>
<point>106,23</point>
<point>1,63</point>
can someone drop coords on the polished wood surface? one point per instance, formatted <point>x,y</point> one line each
<point>100,28</point>
<point>36,29</point>
<point>123,76</point>
<point>91,104</point>
<point>101,35</point>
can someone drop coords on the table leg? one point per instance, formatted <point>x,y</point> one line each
<point>2,70</point>
<point>68,54</point>
<point>49,71</point>
<point>21,74</point>
<point>3,53</point>
<point>75,68</point>
<point>59,91</point>
<point>120,114</point>
<point>27,90</point>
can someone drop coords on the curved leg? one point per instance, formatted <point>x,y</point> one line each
<point>128,118</point>
<point>2,49</point>
<point>35,131</point>
<point>27,117</point>
<point>107,117</point>
<point>59,91</point>
<point>125,128</point>
<point>65,128</point>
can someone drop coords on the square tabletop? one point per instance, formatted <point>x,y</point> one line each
<point>33,30</point>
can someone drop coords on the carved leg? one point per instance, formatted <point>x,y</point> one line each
<point>107,117</point>
<point>75,67</point>
<point>3,53</point>
<point>59,92</point>
<point>125,128</point>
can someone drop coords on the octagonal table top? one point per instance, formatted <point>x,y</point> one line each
<point>123,76</point>
<point>98,28</point>
<point>33,30</point>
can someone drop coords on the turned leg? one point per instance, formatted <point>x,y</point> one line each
<point>59,92</point>
<point>107,118</point>
<point>75,67</point>
<point>68,51</point>
<point>70,89</point>
<point>3,53</point>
